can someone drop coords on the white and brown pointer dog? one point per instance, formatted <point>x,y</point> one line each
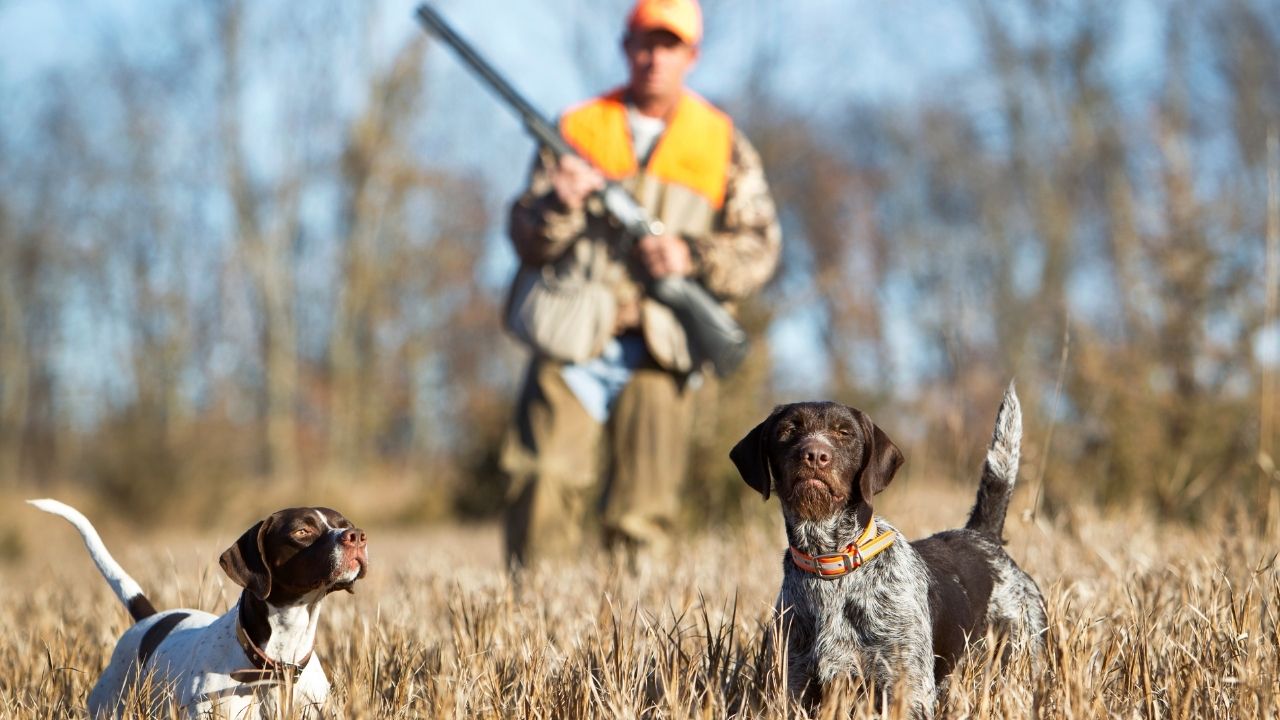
<point>258,659</point>
<point>859,602</point>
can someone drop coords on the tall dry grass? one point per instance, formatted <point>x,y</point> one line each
<point>1147,620</point>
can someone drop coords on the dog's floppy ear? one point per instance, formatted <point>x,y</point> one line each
<point>751,456</point>
<point>883,458</point>
<point>245,562</point>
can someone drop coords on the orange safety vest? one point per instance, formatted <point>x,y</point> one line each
<point>693,151</point>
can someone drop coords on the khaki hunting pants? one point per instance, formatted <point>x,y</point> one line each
<point>554,458</point>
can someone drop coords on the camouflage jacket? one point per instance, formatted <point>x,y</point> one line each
<point>735,259</point>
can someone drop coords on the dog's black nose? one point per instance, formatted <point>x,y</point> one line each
<point>816,454</point>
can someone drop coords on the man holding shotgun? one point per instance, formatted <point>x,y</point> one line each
<point>688,166</point>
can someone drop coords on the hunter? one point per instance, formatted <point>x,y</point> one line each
<point>608,430</point>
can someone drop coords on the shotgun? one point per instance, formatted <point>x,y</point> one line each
<point>713,333</point>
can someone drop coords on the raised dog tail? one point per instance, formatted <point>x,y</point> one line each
<point>1000,471</point>
<point>125,587</point>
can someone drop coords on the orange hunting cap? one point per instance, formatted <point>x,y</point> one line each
<point>683,18</point>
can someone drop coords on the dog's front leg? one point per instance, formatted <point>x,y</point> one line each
<point>790,640</point>
<point>918,686</point>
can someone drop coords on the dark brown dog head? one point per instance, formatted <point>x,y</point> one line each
<point>296,552</point>
<point>821,457</point>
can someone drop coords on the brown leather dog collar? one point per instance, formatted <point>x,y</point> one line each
<point>836,565</point>
<point>265,668</point>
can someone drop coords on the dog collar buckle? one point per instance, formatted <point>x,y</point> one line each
<point>830,566</point>
<point>845,562</point>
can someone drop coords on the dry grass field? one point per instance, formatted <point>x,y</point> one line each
<point>1147,619</point>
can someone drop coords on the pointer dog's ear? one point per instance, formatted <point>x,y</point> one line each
<point>882,461</point>
<point>751,456</point>
<point>245,561</point>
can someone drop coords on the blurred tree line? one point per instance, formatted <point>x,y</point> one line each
<point>234,261</point>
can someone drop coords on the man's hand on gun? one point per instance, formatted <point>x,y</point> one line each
<point>664,255</point>
<point>574,180</point>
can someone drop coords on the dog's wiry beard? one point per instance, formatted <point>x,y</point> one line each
<point>813,499</point>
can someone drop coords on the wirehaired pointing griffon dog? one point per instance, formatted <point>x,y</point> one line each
<point>860,602</point>
<point>258,659</point>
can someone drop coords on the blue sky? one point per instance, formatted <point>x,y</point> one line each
<point>825,54</point>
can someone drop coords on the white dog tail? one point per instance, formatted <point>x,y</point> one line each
<point>1000,471</point>
<point>125,587</point>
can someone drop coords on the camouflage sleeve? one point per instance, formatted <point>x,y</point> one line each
<point>540,225</point>
<point>741,253</point>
